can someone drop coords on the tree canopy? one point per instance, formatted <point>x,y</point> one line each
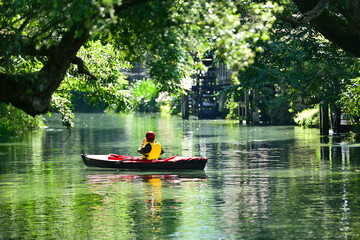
<point>298,66</point>
<point>41,40</point>
<point>51,49</point>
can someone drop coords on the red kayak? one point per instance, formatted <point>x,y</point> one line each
<point>129,162</point>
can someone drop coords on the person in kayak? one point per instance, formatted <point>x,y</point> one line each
<point>150,149</point>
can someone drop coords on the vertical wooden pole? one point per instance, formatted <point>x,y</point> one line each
<point>185,106</point>
<point>321,119</point>
<point>240,113</point>
<point>247,108</point>
<point>336,120</point>
<point>255,114</point>
<point>324,119</point>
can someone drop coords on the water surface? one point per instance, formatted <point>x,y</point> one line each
<point>259,183</point>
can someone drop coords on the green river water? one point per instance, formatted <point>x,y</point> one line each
<point>259,183</point>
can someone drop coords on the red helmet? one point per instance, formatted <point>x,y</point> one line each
<point>150,136</point>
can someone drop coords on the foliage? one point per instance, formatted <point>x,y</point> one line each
<point>300,66</point>
<point>13,120</point>
<point>163,35</point>
<point>64,47</point>
<point>174,104</point>
<point>277,108</point>
<point>106,84</point>
<point>308,117</point>
<point>166,101</point>
<point>144,94</point>
<point>232,106</point>
<point>61,104</point>
<point>170,30</point>
<point>350,102</point>
<point>350,99</point>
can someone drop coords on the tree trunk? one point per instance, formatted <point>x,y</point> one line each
<point>32,92</point>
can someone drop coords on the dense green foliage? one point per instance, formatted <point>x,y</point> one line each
<point>144,94</point>
<point>59,49</point>
<point>350,100</point>
<point>308,117</point>
<point>297,69</point>
<point>13,120</point>
<point>106,83</point>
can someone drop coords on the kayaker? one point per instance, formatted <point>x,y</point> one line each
<point>150,149</point>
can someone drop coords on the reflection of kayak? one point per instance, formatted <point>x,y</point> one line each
<point>177,177</point>
<point>128,162</point>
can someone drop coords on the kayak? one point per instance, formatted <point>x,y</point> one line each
<point>129,162</point>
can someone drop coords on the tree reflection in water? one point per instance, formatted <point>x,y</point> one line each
<point>140,199</point>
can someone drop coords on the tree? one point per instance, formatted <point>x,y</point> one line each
<point>48,35</point>
<point>41,39</point>
<point>298,65</point>
<point>339,22</point>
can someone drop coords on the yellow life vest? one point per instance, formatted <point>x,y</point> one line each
<point>155,151</point>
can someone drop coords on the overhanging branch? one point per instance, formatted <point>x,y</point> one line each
<point>315,12</point>
<point>307,16</point>
<point>343,30</point>
<point>82,69</point>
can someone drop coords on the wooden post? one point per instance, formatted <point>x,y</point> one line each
<point>255,113</point>
<point>185,106</point>
<point>247,108</point>
<point>324,119</point>
<point>240,113</point>
<point>336,120</point>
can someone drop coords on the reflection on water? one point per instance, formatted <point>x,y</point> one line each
<point>149,202</point>
<point>259,183</point>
